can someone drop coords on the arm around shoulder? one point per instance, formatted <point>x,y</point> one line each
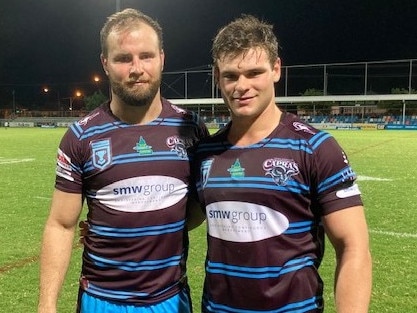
<point>348,232</point>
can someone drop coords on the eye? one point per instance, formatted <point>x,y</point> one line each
<point>125,58</point>
<point>229,76</point>
<point>147,56</point>
<point>254,73</point>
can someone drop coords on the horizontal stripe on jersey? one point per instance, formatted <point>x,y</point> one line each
<point>137,232</point>
<point>296,307</point>
<point>258,272</point>
<point>253,182</point>
<point>130,266</point>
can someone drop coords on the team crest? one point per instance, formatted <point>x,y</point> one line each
<point>281,170</point>
<point>101,153</point>
<point>205,171</point>
<point>177,145</point>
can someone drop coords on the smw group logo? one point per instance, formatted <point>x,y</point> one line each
<point>243,221</point>
<point>142,194</point>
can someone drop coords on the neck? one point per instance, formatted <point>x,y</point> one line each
<point>138,115</point>
<point>251,130</point>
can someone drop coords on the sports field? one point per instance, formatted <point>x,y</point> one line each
<point>386,162</point>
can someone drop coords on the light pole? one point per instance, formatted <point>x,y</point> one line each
<point>97,80</point>
<point>58,96</point>
<point>71,101</point>
<point>14,103</point>
<point>77,95</point>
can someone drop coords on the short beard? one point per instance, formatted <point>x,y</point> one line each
<point>138,98</point>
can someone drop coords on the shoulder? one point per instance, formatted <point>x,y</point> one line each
<point>184,118</point>
<point>177,111</point>
<point>301,130</point>
<point>98,120</point>
<point>298,127</point>
<point>92,117</point>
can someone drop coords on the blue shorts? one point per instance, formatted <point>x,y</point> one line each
<point>179,303</point>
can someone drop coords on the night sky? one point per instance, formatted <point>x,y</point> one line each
<point>57,41</point>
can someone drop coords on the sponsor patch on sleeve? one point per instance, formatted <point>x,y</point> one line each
<point>348,192</point>
<point>63,166</point>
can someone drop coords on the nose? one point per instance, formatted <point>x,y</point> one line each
<point>241,83</point>
<point>136,66</point>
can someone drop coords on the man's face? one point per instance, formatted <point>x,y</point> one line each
<point>247,82</point>
<point>134,64</point>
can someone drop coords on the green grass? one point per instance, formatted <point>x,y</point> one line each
<point>391,207</point>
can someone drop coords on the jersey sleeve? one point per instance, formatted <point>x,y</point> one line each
<point>69,164</point>
<point>334,177</point>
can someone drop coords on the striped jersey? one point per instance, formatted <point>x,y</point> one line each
<point>135,181</point>
<point>264,204</point>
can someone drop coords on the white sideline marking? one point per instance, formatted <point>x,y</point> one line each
<point>393,234</point>
<point>43,198</point>
<point>362,178</point>
<point>12,161</point>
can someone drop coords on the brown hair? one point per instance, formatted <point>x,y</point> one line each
<point>242,34</point>
<point>124,20</point>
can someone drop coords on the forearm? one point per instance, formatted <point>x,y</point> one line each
<point>55,257</point>
<point>353,283</point>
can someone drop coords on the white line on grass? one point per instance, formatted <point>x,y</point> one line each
<point>12,161</point>
<point>362,178</point>
<point>393,234</point>
<point>43,198</point>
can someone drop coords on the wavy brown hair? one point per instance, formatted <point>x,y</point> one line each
<point>242,34</point>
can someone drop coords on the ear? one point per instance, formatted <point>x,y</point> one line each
<point>216,74</point>
<point>162,59</point>
<point>276,69</point>
<point>103,60</point>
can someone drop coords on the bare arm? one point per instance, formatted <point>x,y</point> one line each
<point>57,245</point>
<point>348,233</point>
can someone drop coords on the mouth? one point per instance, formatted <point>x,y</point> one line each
<point>242,100</point>
<point>137,83</point>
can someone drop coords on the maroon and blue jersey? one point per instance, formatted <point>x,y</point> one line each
<point>264,203</point>
<point>135,181</point>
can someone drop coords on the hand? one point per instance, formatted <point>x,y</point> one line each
<point>83,231</point>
